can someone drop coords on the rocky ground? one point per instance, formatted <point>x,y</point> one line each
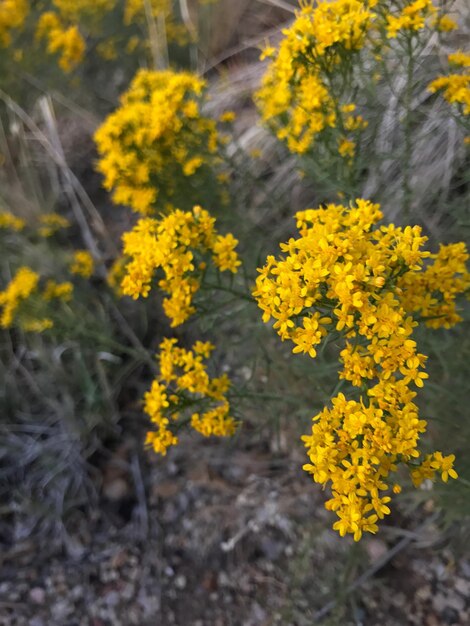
<point>223,535</point>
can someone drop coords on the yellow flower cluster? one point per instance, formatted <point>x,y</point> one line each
<point>24,288</point>
<point>50,223</point>
<point>62,26</point>
<point>345,275</point>
<point>433,463</point>
<point>411,18</point>
<point>178,243</point>
<point>306,92</point>
<point>157,140</point>
<point>11,222</point>
<point>22,285</point>
<point>432,293</point>
<point>444,23</point>
<point>295,98</point>
<point>455,87</point>
<point>183,386</point>
<point>12,16</point>
<point>60,291</point>
<point>82,264</point>
<point>459,59</point>
<point>61,39</point>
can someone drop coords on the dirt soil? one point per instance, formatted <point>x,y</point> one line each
<point>218,534</point>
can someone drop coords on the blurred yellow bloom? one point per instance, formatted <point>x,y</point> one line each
<point>64,40</point>
<point>412,17</point>
<point>13,14</point>
<point>20,288</point>
<point>228,116</point>
<point>82,264</point>
<point>459,59</point>
<point>347,148</point>
<point>10,221</point>
<point>445,24</point>
<point>455,89</point>
<point>50,223</point>
<point>60,291</point>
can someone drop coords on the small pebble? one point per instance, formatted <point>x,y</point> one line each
<point>37,595</point>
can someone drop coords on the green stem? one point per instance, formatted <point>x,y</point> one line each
<point>265,396</point>
<point>234,292</point>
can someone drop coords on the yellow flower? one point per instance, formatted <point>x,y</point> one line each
<point>37,325</point>
<point>412,17</point>
<point>116,274</point>
<point>10,221</point>
<point>216,422</point>
<point>445,24</point>
<point>20,288</point>
<point>50,223</point>
<point>433,463</point>
<point>67,41</point>
<point>13,14</point>
<point>60,291</point>
<point>459,59</point>
<point>82,264</point>
<point>267,52</point>
<point>73,10</point>
<point>455,89</point>
<point>347,148</point>
<point>192,165</point>
<point>228,116</point>
<point>224,255</point>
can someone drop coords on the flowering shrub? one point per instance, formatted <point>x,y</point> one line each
<point>297,97</point>
<point>158,142</point>
<point>68,27</point>
<point>308,87</point>
<point>324,90</point>
<point>24,305</point>
<point>343,278</point>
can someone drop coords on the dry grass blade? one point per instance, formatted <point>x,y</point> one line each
<point>157,37</point>
<point>45,106</point>
<point>74,188</point>
<point>381,562</point>
<point>279,4</point>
